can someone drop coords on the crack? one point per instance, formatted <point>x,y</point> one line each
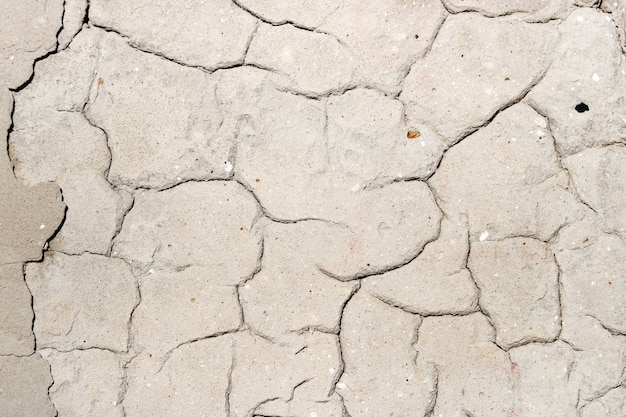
<point>342,364</point>
<point>388,268</point>
<point>32,307</point>
<point>54,51</point>
<point>612,330</point>
<point>422,313</point>
<point>56,411</point>
<point>430,411</point>
<point>229,385</point>
<point>168,354</point>
<point>288,22</point>
<point>424,53</point>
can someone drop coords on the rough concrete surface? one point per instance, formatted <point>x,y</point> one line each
<point>351,208</point>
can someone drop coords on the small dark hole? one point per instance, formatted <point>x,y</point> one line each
<point>581,107</point>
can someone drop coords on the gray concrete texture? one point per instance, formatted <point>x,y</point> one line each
<point>348,208</point>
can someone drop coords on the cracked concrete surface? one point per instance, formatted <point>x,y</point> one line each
<point>238,208</point>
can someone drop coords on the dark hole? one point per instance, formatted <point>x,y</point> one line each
<point>581,107</point>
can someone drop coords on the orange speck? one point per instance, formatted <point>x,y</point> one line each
<point>193,300</point>
<point>258,180</point>
<point>412,134</point>
<point>100,81</point>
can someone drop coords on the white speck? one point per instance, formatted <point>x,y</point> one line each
<point>247,286</point>
<point>331,370</point>
<point>540,132</point>
<point>356,187</point>
<point>341,385</point>
<point>541,122</point>
<point>580,19</point>
<point>484,235</point>
<point>593,283</point>
<point>150,271</point>
<point>423,143</point>
<point>513,139</point>
<point>43,226</point>
<point>489,65</point>
<point>136,69</point>
<point>595,77</point>
<point>314,414</point>
<point>228,167</point>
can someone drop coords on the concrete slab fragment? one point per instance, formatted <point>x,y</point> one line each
<point>599,176</point>
<point>583,98</point>
<point>593,273</point>
<point>542,382</point>
<point>507,179</point>
<point>518,280</point>
<point>494,61</point>
<point>207,225</point>
<point>16,313</point>
<point>377,343</point>
<point>180,307</point>
<point>314,63</point>
<point>529,10</point>
<point>24,383</point>
<point>163,143</point>
<point>265,371</point>
<point>208,34</point>
<point>436,282</point>
<point>29,32</point>
<point>64,289</point>
<point>194,380</point>
<point>369,140</point>
<point>477,379</point>
<point>86,382</point>
<point>30,215</point>
<point>290,293</point>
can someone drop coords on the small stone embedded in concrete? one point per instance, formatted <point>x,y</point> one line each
<point>29,32</point>
<point>211,34</point>
<point>611,404</point>
<point>507,179</point>
<point>157,137</point>
<point>178,307</point>
<point>583,72</point>
<point>518,280</point>
<point>193,380</point>
<point>82,301</point>
<point>436,282</point>
<point>290,293</point>
<point>593,273</point>
<point>312,62</point>
<point>377,343</point>
<point>493,61</point>
<point>529,10</point>
<point>265,371</point>
<point>600,356</point>
<point>366,139</point>
<point>24,383</point>
<point>541,373</point>
<point>474,376</point>
<point>599,176</point>
<point>86,382</point>
<point>16,313</point>
<point>200,224</point>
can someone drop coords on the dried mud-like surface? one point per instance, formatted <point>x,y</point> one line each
<point>238,208</point>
